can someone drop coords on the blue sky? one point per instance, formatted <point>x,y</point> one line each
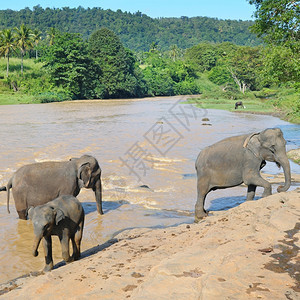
<point>221,9</point>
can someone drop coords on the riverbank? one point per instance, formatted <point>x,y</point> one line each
<point>250,251</point>
<point>283,104</point>
<point>286,111</point>
<point>250,106</point>
<point>294,155</point>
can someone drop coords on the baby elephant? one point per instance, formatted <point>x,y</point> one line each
<point>64,217</point>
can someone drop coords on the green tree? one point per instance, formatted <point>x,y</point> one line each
<point>159,82</point>
<point>220,75</point>
<point>153,47</point>
<point>7,45</point>
<point>136,31</point>
<point>244,67</point>
<point>24,41</point>
<point>280,65</point>
<point>203,55</point>
<point>51,33</point>
<point>174,52</point>
<point>36,36</point>
<point>164,77</point>
<point>119,78</point>
<point>70,65</point>
<point>277,21</point>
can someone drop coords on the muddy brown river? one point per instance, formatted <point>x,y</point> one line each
<point>146,149</point>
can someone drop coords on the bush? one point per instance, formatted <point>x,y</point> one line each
<point>220,75</point>
<point>187,87</point>
<point>48,97</point>
<point>265,93</point>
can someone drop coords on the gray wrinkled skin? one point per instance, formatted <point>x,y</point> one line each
<point>39,183</point>
<point>238,160</point>
<point>63,217</point>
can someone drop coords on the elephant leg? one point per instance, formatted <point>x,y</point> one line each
<point>77,241</point>
<point>259,181</point>
<point>76,248</point>
<point>75,255</point>
<point>202,190</point>
<point>98,194</point>
<point>47,245</point>
<point>251,192</point>
<point>64,241</point>
<point>20,202</point>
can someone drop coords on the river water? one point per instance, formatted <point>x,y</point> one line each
<point>146,149</point>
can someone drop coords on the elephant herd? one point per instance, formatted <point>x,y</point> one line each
<point>46,192</point>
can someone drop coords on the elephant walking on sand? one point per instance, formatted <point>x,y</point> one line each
<point>238,160</point>
<point>39,183</point>
<point>64,217</point>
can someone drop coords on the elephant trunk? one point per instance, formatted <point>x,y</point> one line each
<point>98,195</point>
<point>284,162</point>
<point>36,244</point>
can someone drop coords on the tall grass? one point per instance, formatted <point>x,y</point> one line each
<point>30,66</point>
<point>283,102</point>
<point>34,86</point>
<point>13,88</point>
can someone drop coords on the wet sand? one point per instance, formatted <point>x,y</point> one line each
<point>248,252</point>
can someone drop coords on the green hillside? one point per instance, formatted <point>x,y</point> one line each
<point>137,31</point>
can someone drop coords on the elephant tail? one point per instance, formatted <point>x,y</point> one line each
<point>8,187</point>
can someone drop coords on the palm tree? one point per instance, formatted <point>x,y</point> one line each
<point>51,33</point>
<point>24,41</point>
<point>153,47</point>
<point>174,52</point>
<point>7,45</point>
<point>37,36</point>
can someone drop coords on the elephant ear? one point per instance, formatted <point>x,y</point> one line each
<point>252,143</point>
<point>84,175</point>
<point>59,215</point>
<point>269,137</point>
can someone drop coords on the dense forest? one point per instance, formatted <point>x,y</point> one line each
<point>56,65</point>
<point>137,31</point>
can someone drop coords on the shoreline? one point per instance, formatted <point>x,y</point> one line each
<point>156,98</point>
<point>208,260</point>
<point>278,114</point>
<point>228,105</point>
<point>294,155</point>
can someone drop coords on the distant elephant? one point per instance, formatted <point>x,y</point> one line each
<point>238,160</point>
<point>64,217</point>
<point>39,183</point>
<point>239,103</point>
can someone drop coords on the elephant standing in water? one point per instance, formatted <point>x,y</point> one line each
<point>64,217</point>
<point>39,183</point>
<point>238,160</point>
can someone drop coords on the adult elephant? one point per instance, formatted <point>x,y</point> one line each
<point>39,183</point>
<point>238,160</point>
